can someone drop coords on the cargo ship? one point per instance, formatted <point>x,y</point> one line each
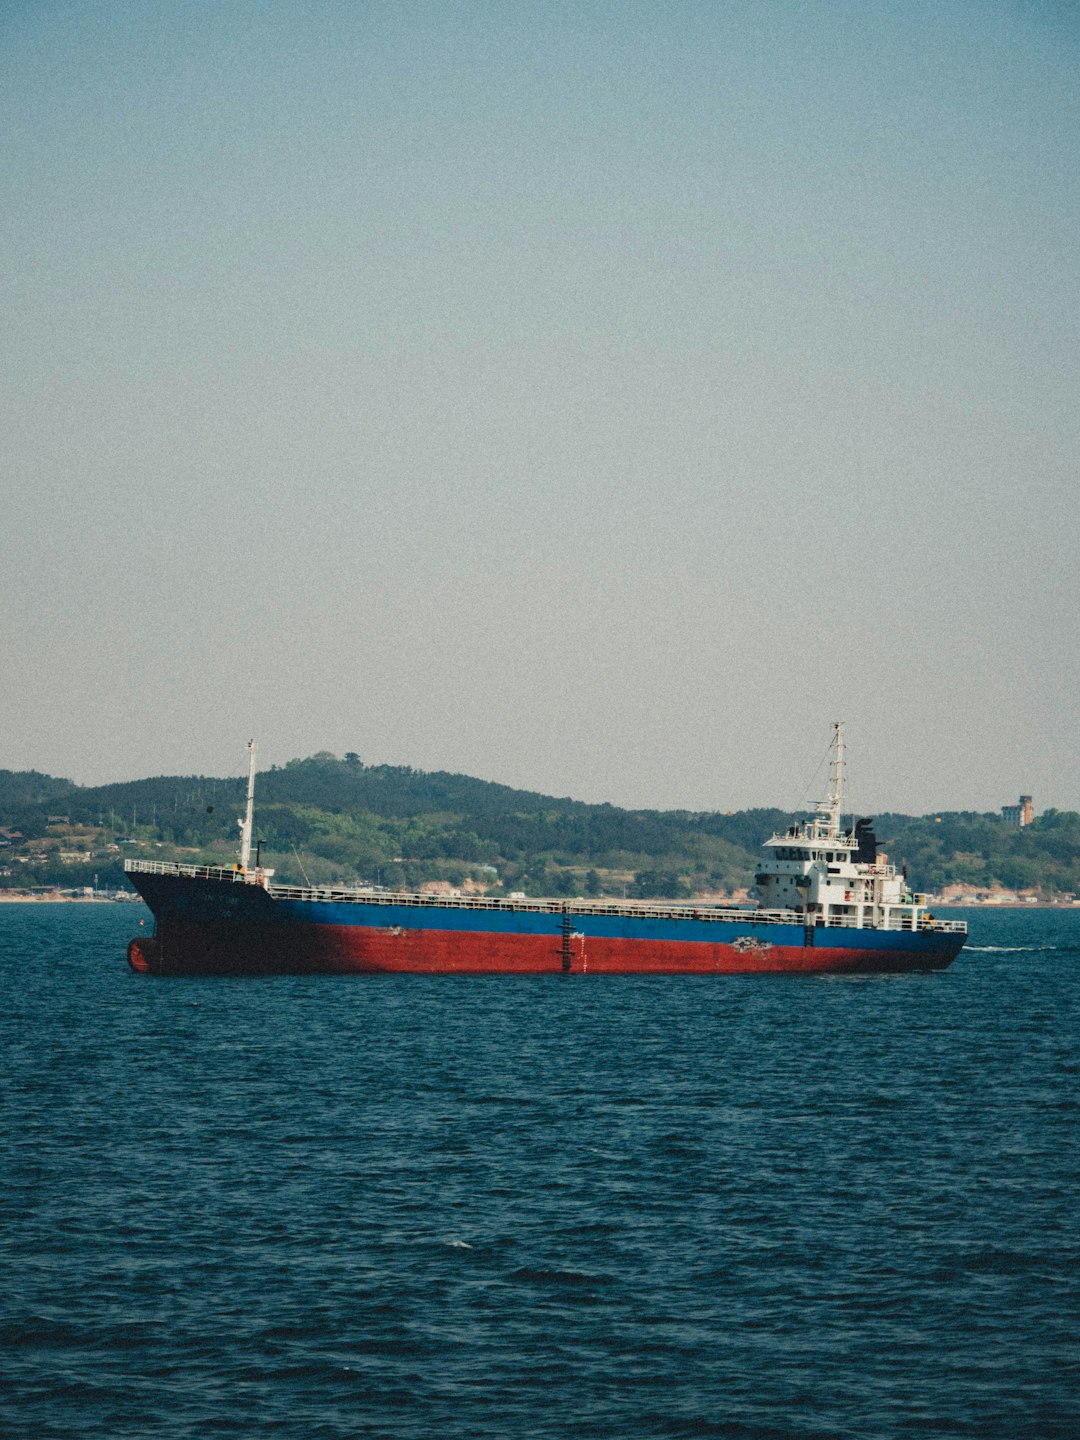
<point>828,902</point>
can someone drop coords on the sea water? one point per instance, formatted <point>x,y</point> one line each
<point>550,1207</point>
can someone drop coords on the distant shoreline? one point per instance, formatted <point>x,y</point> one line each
<point>63,900</point>
<point>1008,905</point>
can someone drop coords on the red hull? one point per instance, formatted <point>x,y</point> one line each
<point>185,947</point>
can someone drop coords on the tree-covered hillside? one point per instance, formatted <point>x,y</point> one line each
<point>330,819</point>
<point>982,850</point>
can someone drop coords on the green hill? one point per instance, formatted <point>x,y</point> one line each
<point>331,819</point>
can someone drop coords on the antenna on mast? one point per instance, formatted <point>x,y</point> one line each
<point>837,778</point>
<point>827,824</point>
<point>245,824</point>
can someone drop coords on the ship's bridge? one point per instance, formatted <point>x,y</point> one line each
<point>832,876</point>
<point>835,877</point>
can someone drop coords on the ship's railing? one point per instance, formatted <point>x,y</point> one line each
<point>638,909</point>
<point>898,922</point>
<point>196,872</point>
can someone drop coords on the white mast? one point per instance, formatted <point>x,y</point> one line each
<point>829,810</point>
<point>837,778</point>
<point>245,824</point>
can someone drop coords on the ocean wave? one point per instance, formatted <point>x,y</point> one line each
<point>1016,949</point>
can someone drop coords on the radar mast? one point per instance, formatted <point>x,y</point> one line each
<point>245,824</point>
<point>829,810</point>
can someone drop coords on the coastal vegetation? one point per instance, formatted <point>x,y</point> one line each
<point>330,820</point>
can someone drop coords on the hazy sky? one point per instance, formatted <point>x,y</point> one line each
<point>596,397</point>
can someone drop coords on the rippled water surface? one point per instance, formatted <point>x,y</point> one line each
<point>548,1207</point>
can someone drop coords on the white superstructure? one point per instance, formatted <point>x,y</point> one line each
<point>835,877</point>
